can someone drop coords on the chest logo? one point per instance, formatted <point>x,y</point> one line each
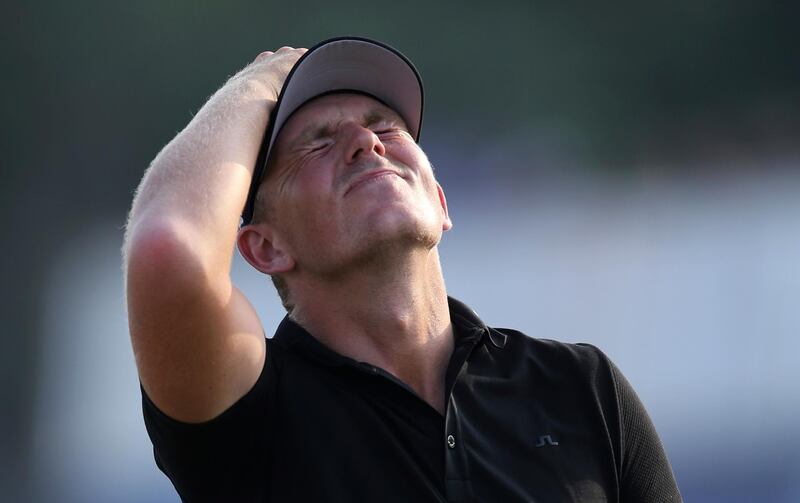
<point>546,440</point>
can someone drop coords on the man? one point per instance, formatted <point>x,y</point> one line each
<point>376,386</point>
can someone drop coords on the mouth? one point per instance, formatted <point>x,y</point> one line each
<point>370,177</point>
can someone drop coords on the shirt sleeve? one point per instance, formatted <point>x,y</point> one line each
<point>224,459</point>
<point>646,475</point>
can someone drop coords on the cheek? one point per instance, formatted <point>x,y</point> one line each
<point>306,230</point>
<point>318,207</point>
<point>424,171</point>
<point>409,153</point>
<point>312,183</point>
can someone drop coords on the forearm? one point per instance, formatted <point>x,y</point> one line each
<point>198,183</point>
<point>192,195</point>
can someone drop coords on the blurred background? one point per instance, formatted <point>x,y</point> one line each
<point>627,176</point>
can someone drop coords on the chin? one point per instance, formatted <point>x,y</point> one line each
<point>400,230</point>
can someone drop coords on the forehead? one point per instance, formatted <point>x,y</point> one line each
<point>329,109</point>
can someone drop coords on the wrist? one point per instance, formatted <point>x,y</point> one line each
<point>251,88</point>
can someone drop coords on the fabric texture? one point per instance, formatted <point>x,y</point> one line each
<point>526,420</point>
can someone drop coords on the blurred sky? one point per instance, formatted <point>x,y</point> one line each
<point>623,176</point>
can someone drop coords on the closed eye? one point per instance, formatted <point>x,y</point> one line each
<point>318,147</point>
<point>389,131</point>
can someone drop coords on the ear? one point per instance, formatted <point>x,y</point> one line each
<point>259,245</point>
<point>447,224</point>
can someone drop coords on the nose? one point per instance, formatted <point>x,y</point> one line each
<point>361,141</point>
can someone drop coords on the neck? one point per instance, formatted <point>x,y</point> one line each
<point>394,316</point>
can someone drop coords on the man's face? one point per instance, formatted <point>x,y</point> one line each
<point>349,182</point>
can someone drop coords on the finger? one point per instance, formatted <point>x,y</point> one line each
<point>286,50</point>
<point>263,55</point>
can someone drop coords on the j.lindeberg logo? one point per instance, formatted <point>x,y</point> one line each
<point>546,440</point>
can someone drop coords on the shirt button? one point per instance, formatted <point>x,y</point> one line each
<point>451,441</point>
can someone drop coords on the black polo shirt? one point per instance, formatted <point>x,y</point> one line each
<point>527,420</point>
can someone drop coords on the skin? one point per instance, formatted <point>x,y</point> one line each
<point>358,215</point>
<point>361,251</point>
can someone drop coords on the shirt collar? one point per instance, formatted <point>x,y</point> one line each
<point>468,331</point>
